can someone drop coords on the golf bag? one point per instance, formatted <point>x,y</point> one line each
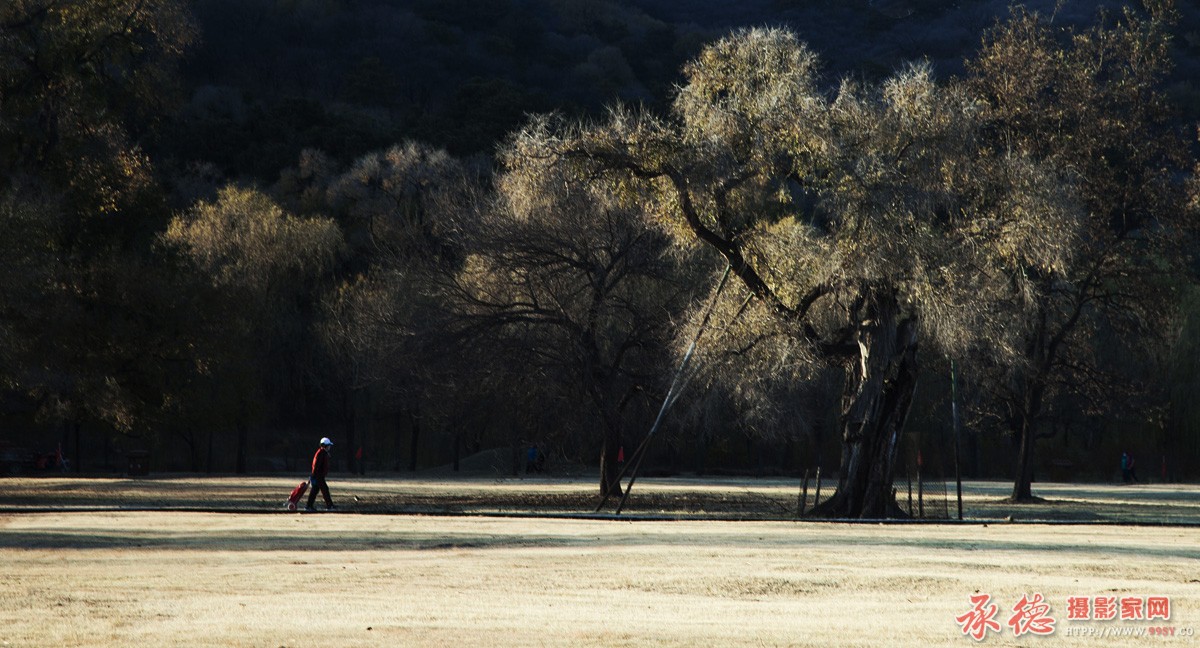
<point>297,492</point>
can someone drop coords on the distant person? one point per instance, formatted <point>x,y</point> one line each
<point>535,459</point>
<point>1128,468</point>
<point>320,469</point>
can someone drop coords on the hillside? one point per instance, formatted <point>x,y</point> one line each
<point>272,78</point>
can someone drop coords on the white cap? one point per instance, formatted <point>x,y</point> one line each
<point>325,441</point>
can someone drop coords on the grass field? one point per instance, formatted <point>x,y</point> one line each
<point>142,563</point>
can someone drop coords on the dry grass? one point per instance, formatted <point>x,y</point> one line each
<point>191,578</point>
<point>766,499</point>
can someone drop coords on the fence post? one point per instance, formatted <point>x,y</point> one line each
<point>920,485</point>
<point>817,497</point>
<point>800,506</point>
<point>908,476</point>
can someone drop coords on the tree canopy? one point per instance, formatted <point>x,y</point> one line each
<point>230,226</point>
<point>864,222</point>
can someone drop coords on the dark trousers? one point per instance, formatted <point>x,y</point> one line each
<point>316,484</point>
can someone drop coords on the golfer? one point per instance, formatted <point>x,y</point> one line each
<point>320,469</point>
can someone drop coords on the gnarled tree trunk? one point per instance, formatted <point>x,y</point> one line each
<point>880,383</point>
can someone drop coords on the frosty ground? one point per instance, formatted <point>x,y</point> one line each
<point>507,562</point>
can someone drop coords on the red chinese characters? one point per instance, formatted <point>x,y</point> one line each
<point>1158,607</point>
<point>1132,608</point>
<point>1030,615</point>
<point>1079,608</point>
<point>980,619</point>
<point>1104,608</point>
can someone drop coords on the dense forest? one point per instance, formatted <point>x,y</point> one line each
<point>431,228</point>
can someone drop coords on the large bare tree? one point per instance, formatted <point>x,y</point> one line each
<point>865,222</point>
<point>262,262</point>
<point>566,282</point>
<point>1089,103</point>
<point>381,327</point>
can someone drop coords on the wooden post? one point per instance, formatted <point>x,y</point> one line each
<point>803,496</point>
<point>908,476</point>
<point>920,483</point>
<point>954,412</point>
<point>817,497</point>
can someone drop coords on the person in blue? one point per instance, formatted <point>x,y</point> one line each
<point>535,459</point>
<point>1128,471</point>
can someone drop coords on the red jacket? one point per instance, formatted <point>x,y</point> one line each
<point>320,467</point>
